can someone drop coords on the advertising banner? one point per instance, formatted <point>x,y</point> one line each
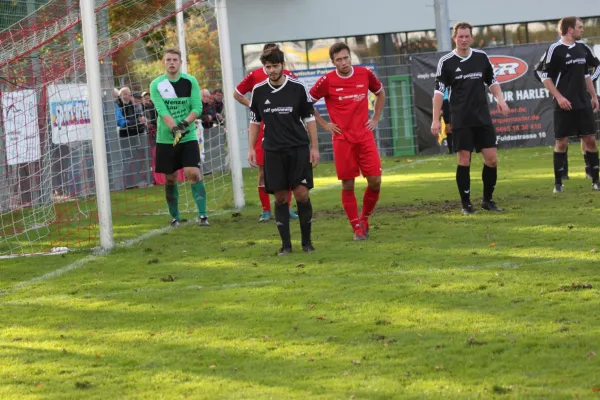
<point>20,116</point>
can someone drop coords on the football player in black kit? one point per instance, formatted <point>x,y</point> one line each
<point>567,71</point>
<point>466,72</point>
<point>290,144</point>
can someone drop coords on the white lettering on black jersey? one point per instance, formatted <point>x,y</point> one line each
<point>568,66</point>
<point>466,78</point>
<point>283,110</point>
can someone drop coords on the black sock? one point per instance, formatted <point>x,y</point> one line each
<point>282,218</point>
<point>566,165</point>
<point>559,164</point>
<point>305,214</point>
<point>489,176</point>
<point>586,160</point>
<point>593,160</point>
<point>463,181</point>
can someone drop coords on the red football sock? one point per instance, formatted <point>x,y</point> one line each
<point>264,198</point>
<point>351,207</point>
<point>369,201</point>
<point>290,197</point>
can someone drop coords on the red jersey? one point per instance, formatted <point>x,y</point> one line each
<point>347,101</point>
<point>247,84</point>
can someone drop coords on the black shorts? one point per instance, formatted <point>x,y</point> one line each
<point>474,138</point>
<point>171,158</point>
<point>446,112</point>
<point>574,123</point>
<point>288,169</point>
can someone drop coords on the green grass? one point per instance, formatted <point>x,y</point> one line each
<point>435,305</point>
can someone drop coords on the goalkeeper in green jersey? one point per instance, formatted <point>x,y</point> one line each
<point>178,102</point>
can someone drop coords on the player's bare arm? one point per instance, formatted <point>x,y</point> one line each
<point>252,136</point>
<point>592,91</point>
<point>311,127</point>
<point>379,103</point>
<point>243,100</point>
<point>497,92</point>
<point>328,126</point>
<point>560,99</point>
<point>436,126</point>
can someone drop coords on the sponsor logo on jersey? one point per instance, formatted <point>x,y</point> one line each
<point>508,68</point>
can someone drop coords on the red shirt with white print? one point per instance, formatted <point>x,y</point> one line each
<point>347,101</point>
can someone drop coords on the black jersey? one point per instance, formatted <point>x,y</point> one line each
<point>568,66</point>
<point>465,78</point>
<point>283,110</point>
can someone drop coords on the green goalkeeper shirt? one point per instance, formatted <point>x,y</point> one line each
<point>177,98</point>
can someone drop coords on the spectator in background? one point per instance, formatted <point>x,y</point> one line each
<point>493,42</point>
<point>209,112</point>
<point>219,106</point>
<point>138,103</point>
<point>134,122</point>
<point>148,109</point>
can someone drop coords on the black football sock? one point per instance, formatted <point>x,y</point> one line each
<point>463,181</point>
<point>593,160</point>
<point>282,219</point>
<point>489,176</point>
<point>559,164</point>
<point>305,214</point>
<point>588,170</point>
<point>566,165</point>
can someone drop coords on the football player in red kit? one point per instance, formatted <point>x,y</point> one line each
<point>346,93</point>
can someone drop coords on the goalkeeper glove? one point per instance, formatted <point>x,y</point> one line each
<point>183,125</point>
<point>177,133</point>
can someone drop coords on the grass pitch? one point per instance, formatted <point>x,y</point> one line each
<point>434,305</point>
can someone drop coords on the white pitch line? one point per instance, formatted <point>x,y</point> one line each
<point>128,243</point>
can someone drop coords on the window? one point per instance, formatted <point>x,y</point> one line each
<point>421,41</point>
<point>252,56</point>
<point>365,47</point>
<point>318,52</point>
<point>516,33</point>
<point>295,55</point>
<point>488,36</point>
<point>542,32</point>
<point>591,30</point>
<point>400,42</point>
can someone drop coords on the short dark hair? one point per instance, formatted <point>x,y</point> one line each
<point>336,48</point>
<point>173,50</point>
<point>273,55</point>
<point>566,23</point>
<point>218,90</point>
<point>269,46</point>
<point>462,25</point>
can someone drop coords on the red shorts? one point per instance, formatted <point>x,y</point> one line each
<point>352,159</point>
<point>260,153</point>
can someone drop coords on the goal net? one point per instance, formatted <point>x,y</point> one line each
<point>47,188</point>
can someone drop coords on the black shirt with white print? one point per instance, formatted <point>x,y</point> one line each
<point>568,66</point>
<point>466,78</point>
<point>283,109</point>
